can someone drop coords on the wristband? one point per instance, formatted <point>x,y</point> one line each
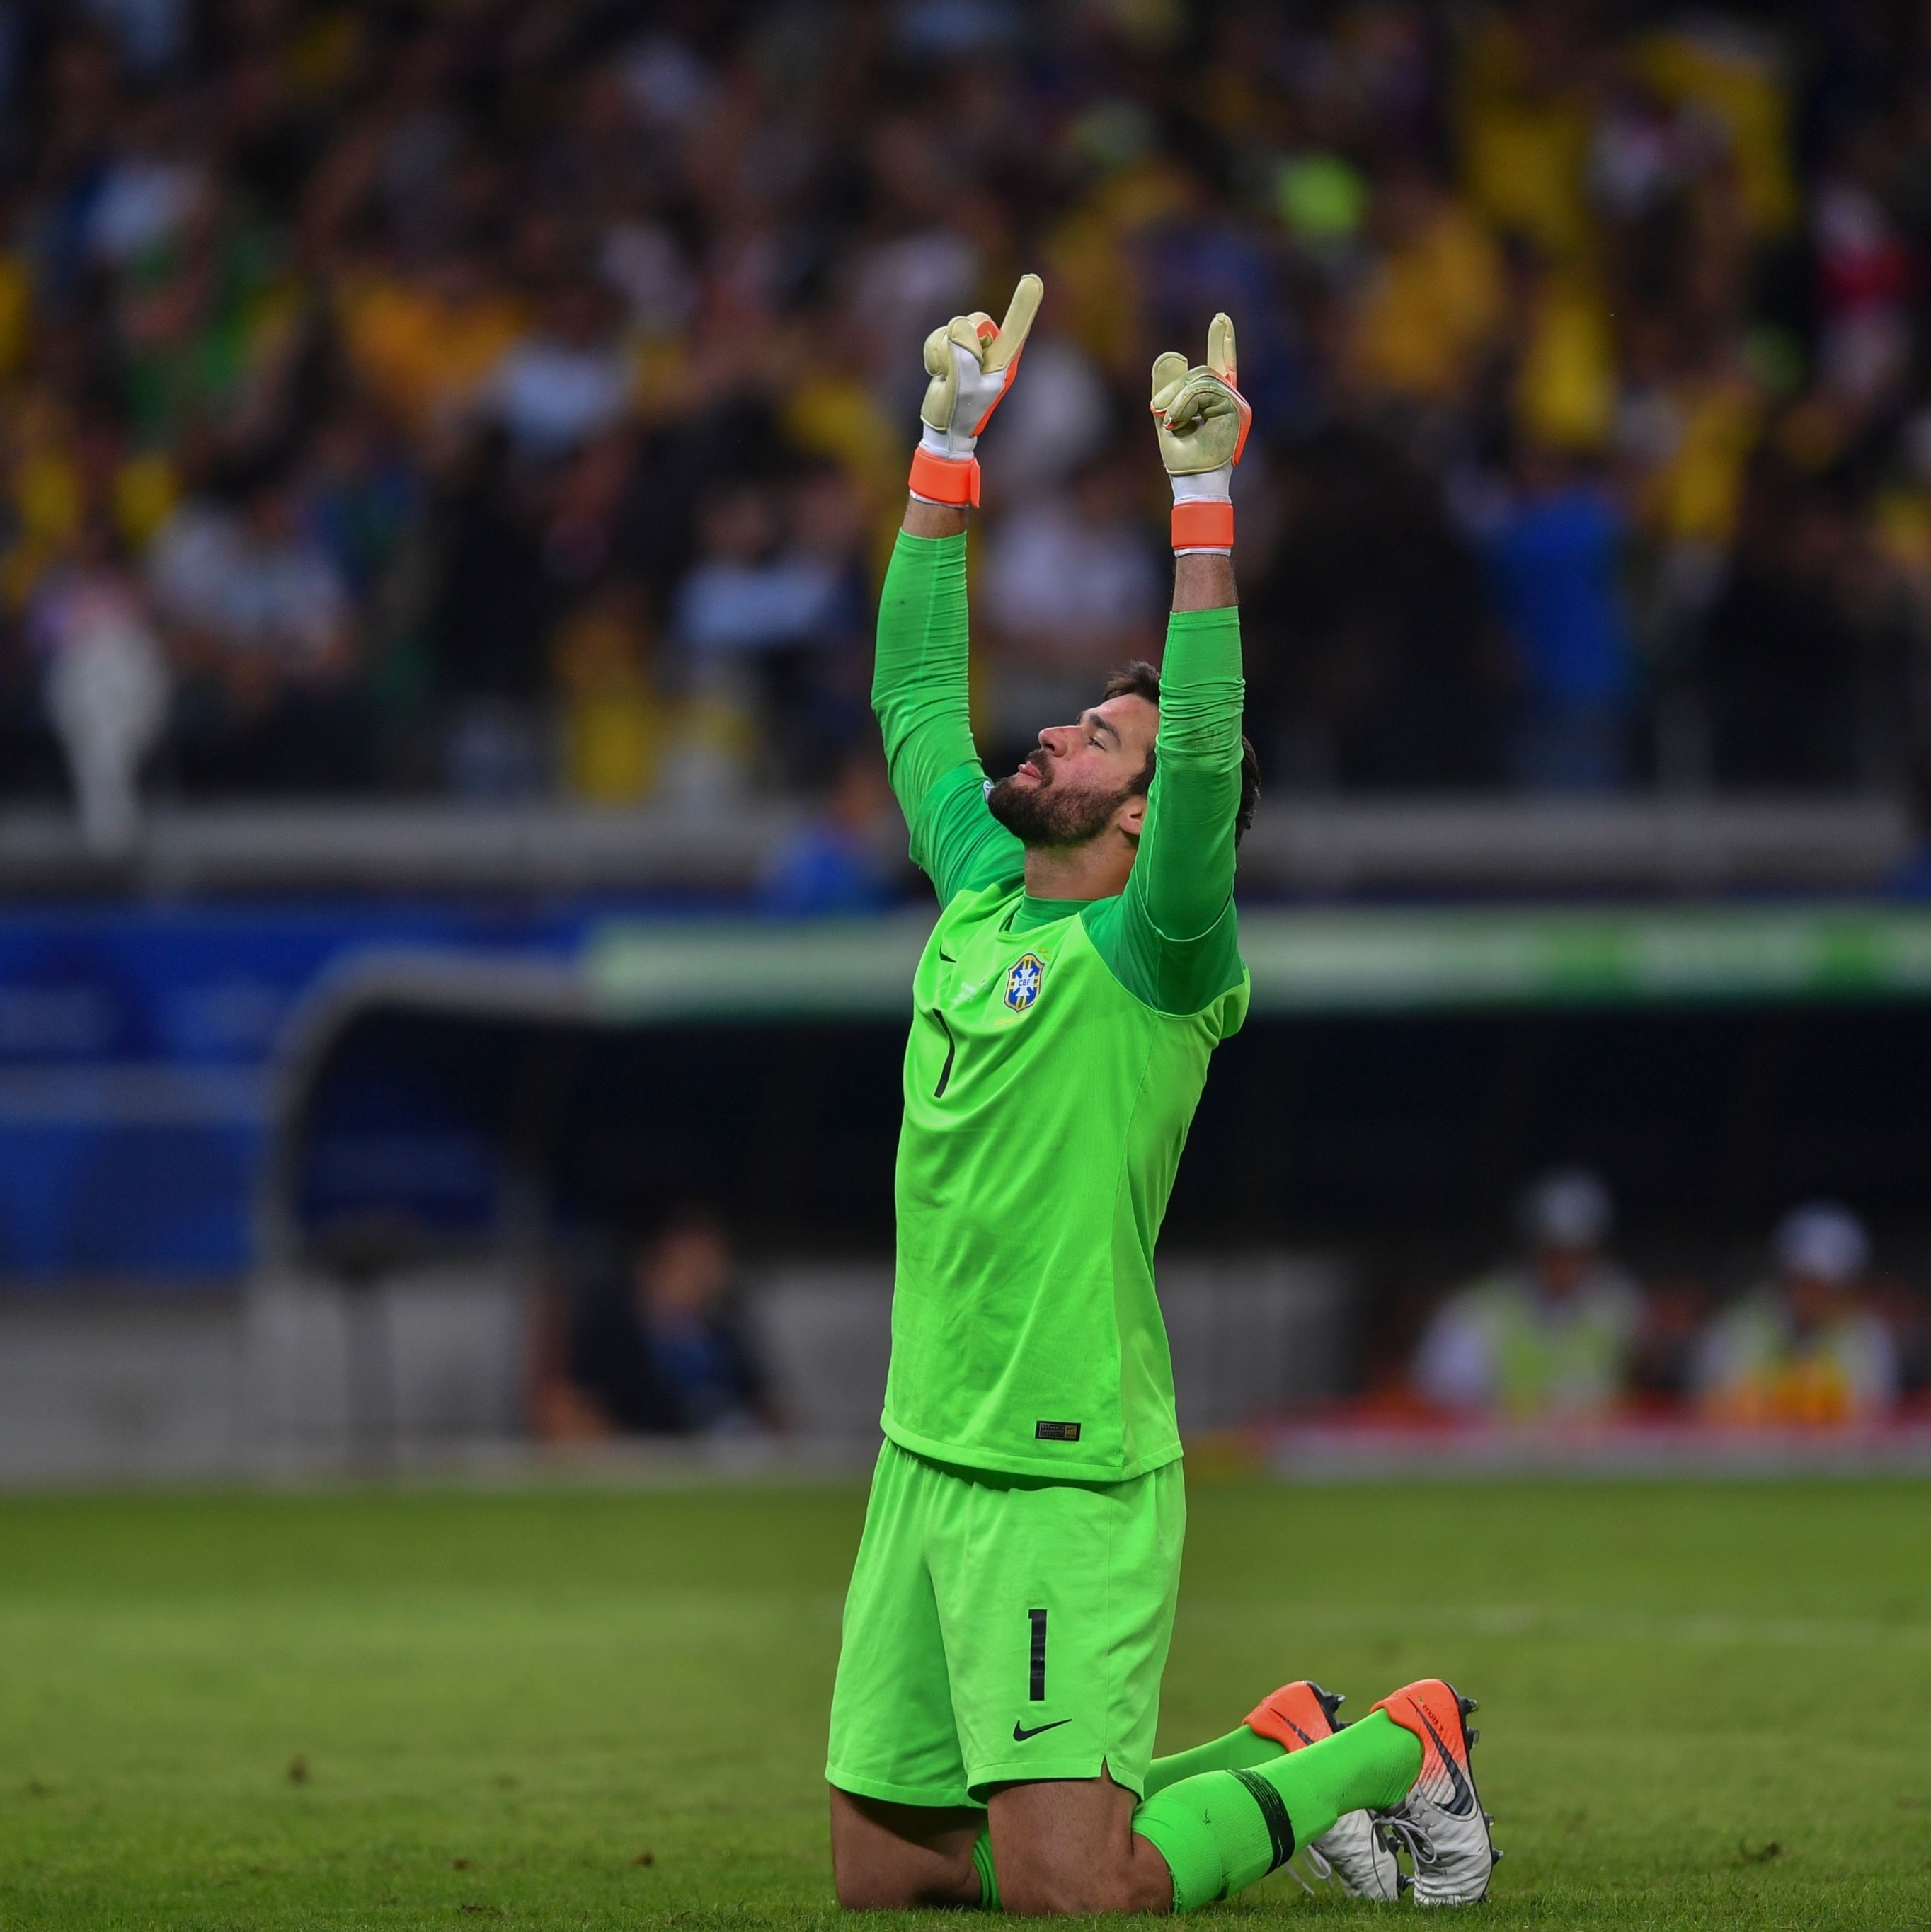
<point>952,481</point>
<point>1204,522</point>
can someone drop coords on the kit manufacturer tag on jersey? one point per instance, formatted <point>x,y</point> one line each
<point>1023,980</point>
<point>1055,1432</point>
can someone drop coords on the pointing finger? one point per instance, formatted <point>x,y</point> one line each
<point>1221,350</point>
<point>1020,312</point>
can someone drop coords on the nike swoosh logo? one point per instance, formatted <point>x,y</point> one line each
<point>1020,1736</point>
<point>1465,1798</point>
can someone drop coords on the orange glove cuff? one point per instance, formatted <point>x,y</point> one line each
<point>1203,524</point>
<point>942,480</point>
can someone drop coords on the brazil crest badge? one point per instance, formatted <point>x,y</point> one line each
<point>1022,980</point>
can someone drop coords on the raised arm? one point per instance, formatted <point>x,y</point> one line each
<point>1177,914</point>
<point>920,691</point>
<point>1183,878</point>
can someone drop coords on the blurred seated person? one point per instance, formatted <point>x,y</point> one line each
<point>1553,557</point>
<point>105,679</point>
<point>1806,1347</point>
<point>770,619</point>
<point>1549,1337</point>
<point>845,858</point>
<point>613,719</point>
<point>566,383</point>
<point>261,627</point>
<point>1662,1373</point>
<point>663,1352</point>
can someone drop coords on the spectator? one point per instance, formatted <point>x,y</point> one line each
<point>1863,273</point>
<point>148,190</point>
<point>750,593</point>
<point>1059,420</point>
<point>1806,1347</point>
<point>1785,662</point>
<point>425,345</point>
<point>106,681</point>
<point>772,620</point>
<point>1071,591</point>
<point>815,712</point>
<point>1553,557</point>
<point>665,1353</point>
<point>1369,667</point>
<point>257,620</point>
<point>567,382</point>
<point>614,719</point>
<point>846,858</point>
<point>492,607</point>
<point>1432,306</point>
<point>362,495</point>
<point>1548,1338</point>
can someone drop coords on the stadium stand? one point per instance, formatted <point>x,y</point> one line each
<point>389,389</point>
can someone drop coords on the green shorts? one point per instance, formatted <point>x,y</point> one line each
<point>1003,1627</point>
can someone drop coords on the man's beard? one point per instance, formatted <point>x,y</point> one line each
<point>1045,814</point>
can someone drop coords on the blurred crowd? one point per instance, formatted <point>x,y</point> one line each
<point>1561,1332</point>
<point>506,400</point>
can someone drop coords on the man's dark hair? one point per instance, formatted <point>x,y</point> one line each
<point>1141,679</point>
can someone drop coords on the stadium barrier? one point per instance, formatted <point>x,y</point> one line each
<point>1251,1335</point>
<point>425,1370</point>
<point>430,1365</point>
<point>1337,1449</point>
<point>97,1389</point>
<point>1452,844</point>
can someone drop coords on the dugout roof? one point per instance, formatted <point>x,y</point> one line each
<point>1403,1069</point>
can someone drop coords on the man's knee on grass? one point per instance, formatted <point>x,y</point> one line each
<point>1068,1847</point>
<point>901,1858</point>
<point>1060,1890</point>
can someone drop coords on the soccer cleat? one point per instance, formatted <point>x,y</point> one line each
<point>1353,1849</point>
<point>1441,1820</point>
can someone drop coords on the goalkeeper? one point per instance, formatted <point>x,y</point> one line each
<point>1008,1622</point>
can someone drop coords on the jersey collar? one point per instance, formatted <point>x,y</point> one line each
<point>1032,912</point>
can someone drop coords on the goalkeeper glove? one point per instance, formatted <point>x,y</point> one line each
<point>1203,420</point>
<point>971,364</point>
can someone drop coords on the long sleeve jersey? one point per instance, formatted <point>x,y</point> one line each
<point>1057,1050</point>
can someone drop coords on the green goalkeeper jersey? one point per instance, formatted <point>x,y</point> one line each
<point>1057,1052</point>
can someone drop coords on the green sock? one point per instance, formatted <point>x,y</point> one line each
<point>1240,1750</point>
<point>1220,1830</point>
<point>982,1864</point>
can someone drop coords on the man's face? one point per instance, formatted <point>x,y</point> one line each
<point>1080,779</point>
<point>1562,1269</point>
<point>1816,1300</point>
<point>686,1274</point>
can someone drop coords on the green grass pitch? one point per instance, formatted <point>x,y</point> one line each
<point>1703,1704</point>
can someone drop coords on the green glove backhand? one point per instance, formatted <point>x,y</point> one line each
<point>1202,420</point>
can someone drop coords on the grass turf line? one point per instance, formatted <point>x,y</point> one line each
<point>1702,1704</point>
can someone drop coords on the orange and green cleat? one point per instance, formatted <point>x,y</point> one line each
<point>1352,1848</point>
<point>1441,1820</point>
